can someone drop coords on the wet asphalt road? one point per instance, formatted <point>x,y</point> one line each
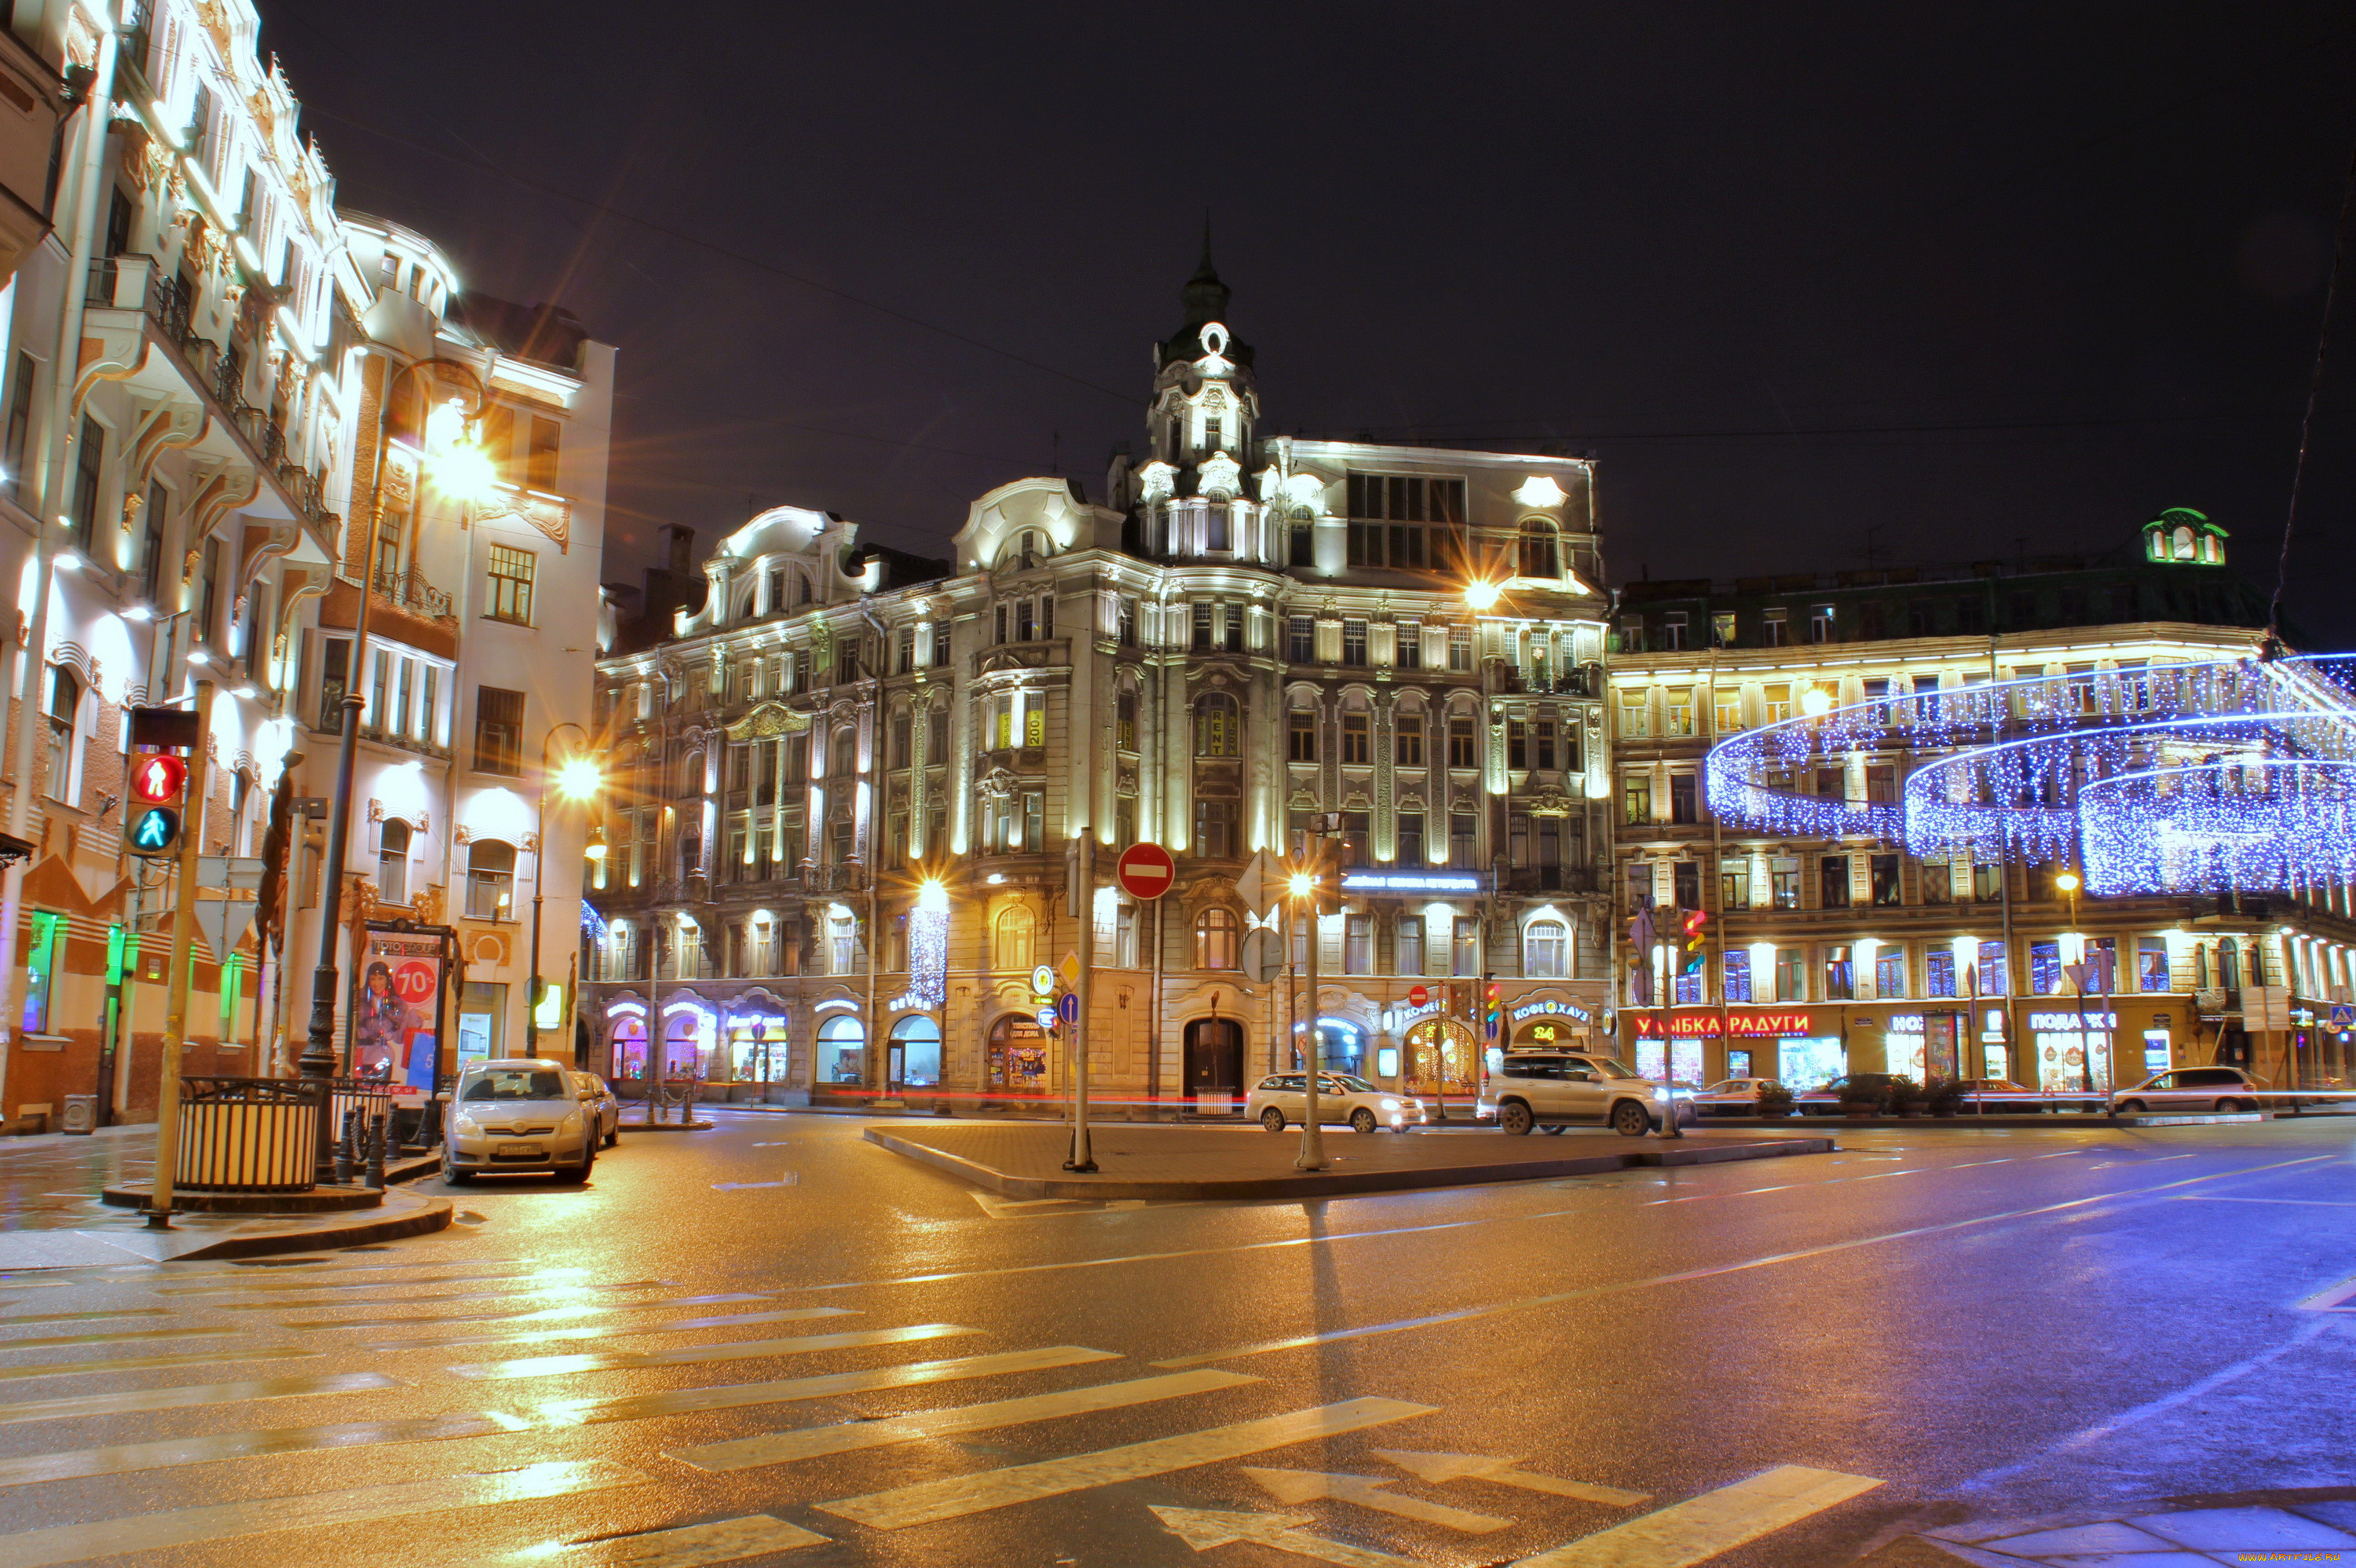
<point>1987,1323</point>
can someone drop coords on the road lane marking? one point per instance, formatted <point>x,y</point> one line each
<point>173,1452</point>
<point>782,1391</point>
<point>139,1363</point>
<point>126,1336</point>
<point>310,1282</point>
<point>1585,1212</point>
<point>2328,1299</point>
<point>596,1329</point>
<point>788,1179</point>
<point>693,1355</point>
<point>1713,1271</point>
<point>843,1437</point>
<point>2293,1202</point>
<point>954,1497</point>
<point>1701,1528</point>
<point>1444,1467</point>
<point>521,1315</point>
<point>191,1394</point>
<point>266,1516</point>
<point>1203,1529</point>
<point>1370,1492</point>
<point>689,1546</point>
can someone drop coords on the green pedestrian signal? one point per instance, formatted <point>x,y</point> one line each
<point>157,829</point>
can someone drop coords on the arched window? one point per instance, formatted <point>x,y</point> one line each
<point>392,862</point>
<point>2184,544</point>
<point>490,880</point>
<point>1214,940</point>
<point>1540,557</point>
<point>842,752</point>
<point>1218,730</point>
<point>1546,950</point>
<point>842,1049</point>
<point>1013,941</point>
<point>919,1039</point>
<point>801,588</point>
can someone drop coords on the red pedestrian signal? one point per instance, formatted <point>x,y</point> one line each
<point>158,778</point>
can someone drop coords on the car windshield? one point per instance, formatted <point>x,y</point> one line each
<point>512,1084</point>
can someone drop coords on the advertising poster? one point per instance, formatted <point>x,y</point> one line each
<point>394,1040</point>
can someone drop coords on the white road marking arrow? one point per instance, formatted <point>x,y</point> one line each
<point>1458,1466</point>
<point>1367,1492</point>
<point>1203,1529</point>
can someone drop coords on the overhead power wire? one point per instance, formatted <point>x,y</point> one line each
<point>2314,396</point>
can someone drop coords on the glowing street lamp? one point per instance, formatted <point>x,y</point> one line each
<point>1481,595</point>
<point>577,780</point>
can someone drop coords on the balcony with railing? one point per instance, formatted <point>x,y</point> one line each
<point>216,371</point>
<point>408,593</point>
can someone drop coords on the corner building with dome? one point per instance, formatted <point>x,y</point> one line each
<point>1242,633</point>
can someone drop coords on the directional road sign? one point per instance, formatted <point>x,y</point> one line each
<point>2343,1016</point>
<point>1068,1006</point>
<point>1263,956</point>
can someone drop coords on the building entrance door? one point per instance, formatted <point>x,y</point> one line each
<point>1215,1058</point>
<point>894,1067</point>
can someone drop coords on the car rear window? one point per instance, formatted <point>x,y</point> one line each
<point>513,1084</point>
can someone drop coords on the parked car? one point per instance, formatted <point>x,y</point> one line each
<point>594,1091</point>
<point>1557,1089</point>
<point>1870,1088</point>
<point>2190,1089</point>
<point>2003,1097</point>
<point>1730,1097</point>
<point>519,1113</point>
<point>1281,1100</point>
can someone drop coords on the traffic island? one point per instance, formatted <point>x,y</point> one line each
<point>1025,1160</point>
<point>105,1238</point>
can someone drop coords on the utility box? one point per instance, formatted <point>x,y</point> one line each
<point>81,1115</point>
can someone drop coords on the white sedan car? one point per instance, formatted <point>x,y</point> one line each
<point>1281,1100</point>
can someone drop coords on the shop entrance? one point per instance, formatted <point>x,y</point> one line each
<point>915,1054</point>
<point>1442,1060</point>
<point>1215,1058</point>
<point>1017,1056</point>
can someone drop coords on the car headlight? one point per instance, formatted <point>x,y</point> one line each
<point>466,1123</point>
<point>571,1122</point>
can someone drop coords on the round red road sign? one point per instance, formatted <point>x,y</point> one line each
<point>1417,995</point>
<point>1145,871</point>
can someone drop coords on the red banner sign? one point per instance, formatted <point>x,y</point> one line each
<point>1751,1021</point>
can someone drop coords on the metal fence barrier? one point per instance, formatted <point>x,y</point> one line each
<point>247,1135</point>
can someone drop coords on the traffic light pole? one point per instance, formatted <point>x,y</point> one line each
<point>184,938</point>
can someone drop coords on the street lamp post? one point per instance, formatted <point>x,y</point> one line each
<point>318,1059</point>
<point>1304,892</point>
<point>578,781</point>
<point>2068,883</point>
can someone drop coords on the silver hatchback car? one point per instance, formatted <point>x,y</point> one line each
<point>519,1113</point>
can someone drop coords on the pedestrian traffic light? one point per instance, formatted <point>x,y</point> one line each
<point>155,832</point>
<point>1694,943</point>
<point>158,778</point>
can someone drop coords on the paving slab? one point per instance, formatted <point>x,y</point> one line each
<point>1025,1160</point>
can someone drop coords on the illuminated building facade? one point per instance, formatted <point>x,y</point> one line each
<point>1831,955</point>
<point>1249,632</point>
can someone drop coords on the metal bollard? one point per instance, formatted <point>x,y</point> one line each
<point>344,1151</point>
<point>376,1136</point>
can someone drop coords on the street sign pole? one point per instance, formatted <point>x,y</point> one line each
<point>1083,901</point>
<point>184,935</point>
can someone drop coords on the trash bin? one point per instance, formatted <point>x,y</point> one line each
<point>81,1115</point>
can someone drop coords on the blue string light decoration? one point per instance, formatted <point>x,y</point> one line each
<point>2122,768</point>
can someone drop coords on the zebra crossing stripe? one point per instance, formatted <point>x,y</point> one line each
<point>129,1458</point>
<point>694,1355</point>
<point>604,1328</point>
<point>122,1336</point>
<point>521,1314</point>
<point>810,1442</point>
<point>194,1394</point>
<point>689,1546</point>
<point>824,1385</point>
<point>954,1497</point>
<point>1701,1528</point>
<point>264,1516</point>
<point>134,1363</point>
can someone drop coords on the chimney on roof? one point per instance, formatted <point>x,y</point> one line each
<point>680,546</point>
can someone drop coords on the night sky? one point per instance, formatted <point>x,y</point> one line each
<point>1810,281</point>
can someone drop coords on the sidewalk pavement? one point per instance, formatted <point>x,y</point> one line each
<point>1025,1160</point>
<point>2302,1530</point>
<point>108,1235</point>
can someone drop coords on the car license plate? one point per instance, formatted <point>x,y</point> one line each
<point>513,1151</point>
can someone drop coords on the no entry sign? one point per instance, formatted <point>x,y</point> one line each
<point>1145,871</point>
